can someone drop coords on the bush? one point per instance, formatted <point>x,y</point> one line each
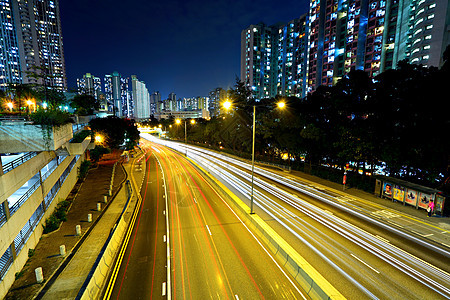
<point>83,169</point>
<point>57,217</point>
<point>30,252</point>
<point>79,137</point>
<point>51,117</point>
<point>97,153</point>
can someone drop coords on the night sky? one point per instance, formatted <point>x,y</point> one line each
<point>187,47</point>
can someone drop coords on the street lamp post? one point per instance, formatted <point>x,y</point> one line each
<point>178,121</point>
<point>227,105</point>
<point>253,157</point>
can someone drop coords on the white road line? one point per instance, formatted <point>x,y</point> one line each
<point>169,292</point>
<point>365,263</point>
<point>208,230</point>
<point>236,296</point>
<point>164,238</point>
<point>426,235</point>
<point>163,288</point>
<point>382,238</point>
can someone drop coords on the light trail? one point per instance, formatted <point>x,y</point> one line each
<point>425,273</point>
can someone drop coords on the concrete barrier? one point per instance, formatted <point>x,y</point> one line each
<point>95,286</point>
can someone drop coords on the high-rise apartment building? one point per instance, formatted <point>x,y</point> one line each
<point>170,104</point>
<point>31,47</point>
<point>256,59</point>
<point>337,36</point>
<point>117,93</point>
<point>90,85</point>
<point>155,103</point>
<point>273,58</point>
<point>141,98</point>
<point>290,59</point>
<point>216,97</point>
<point>423,31</point>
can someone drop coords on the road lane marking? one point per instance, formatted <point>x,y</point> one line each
<point>237,297</point>
<point>208,230</point>
<point>169,296</point>
<point>382,238</point>
<point>164,238</point>
<point>164,288</point>
<point>365,263</point>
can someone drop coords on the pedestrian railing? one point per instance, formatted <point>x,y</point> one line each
<point>17,162</point>
<point>24,197</point>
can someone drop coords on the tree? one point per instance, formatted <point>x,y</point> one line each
<point>84,104</point>
<point>20,94</point>
<point>54,98</point>
<point>117,132</point>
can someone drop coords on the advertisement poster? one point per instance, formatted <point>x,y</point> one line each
<point>387,190</point>
<point>399,193</point>
<point>411,197</point>
<point>424,199</point>
<point>439,204</point>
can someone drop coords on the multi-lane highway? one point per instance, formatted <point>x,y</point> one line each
<point>188,244</point>
<point>360,256</point>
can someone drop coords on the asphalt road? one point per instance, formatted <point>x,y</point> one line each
<point>211,252</point>
<point>361,259</point>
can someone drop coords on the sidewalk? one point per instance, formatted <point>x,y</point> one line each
<point>406,218</point>
<point>85,197</point>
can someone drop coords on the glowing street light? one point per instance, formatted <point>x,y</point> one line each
<point>178,122</point>
<point>30,103</point>
<point>98,138</point>
<point>10,106</point>
<point>227,104</point>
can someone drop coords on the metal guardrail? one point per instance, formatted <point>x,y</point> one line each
<point>284,167</point>
<point>17,162</point>
<point>6,261</point>
<point>24,198</point>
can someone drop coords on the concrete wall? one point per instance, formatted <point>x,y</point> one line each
<point>26,137</point>
<point>12,227</point>
<point>14,179</point>
<point>78,148</point>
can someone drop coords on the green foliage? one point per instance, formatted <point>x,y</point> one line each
<point>97,153</point>
<point>83,169</point>
<point>51,117</point>
<point>117,132</point>
<point>19,274</point>
<point>57,217</point>
<point>80,136</point>
<point>30,252</point>
<point>85,104</point>
<point>54,98</point>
